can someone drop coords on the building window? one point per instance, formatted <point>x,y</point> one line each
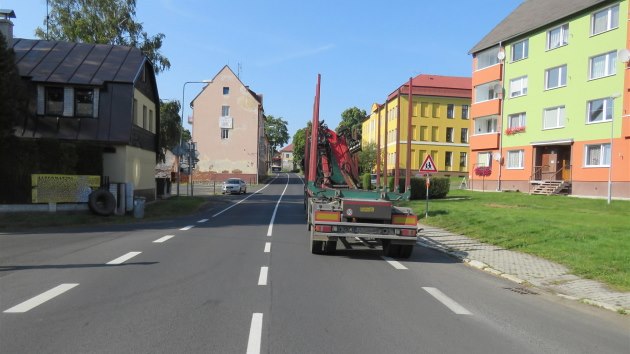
<point>226,90</point>
<point>225,133</point>
<point>436,110</point>
<point>449,135</point>
<point>487,58</point>
<point>516,120</point>
<point>54,101</point>
<point>486,125</point>
<point>450,111</point>
<point>448,158</point>
<point>520,50</point>
<point>515,159</point>
<point>602,65</point>
<point>488,91</point>
<point>151,120</point>
<point>435,131</point>
<point>553,118</point>
<point>135,112</point>
<point>225,111</point>
<point>605,20</point>
<point>464,132</point>
<point>556,77</point>
<point>484,159</point>
<point>84,102</point>
<point>145,124</point>
<point>464,111</point>
<point>597,155</point>
<point>600,110</point>
<point>558,37</point>
<point>463,159</point>
<point>424,109</point>
<point>423,133</point>
<point>286,156</point>
<point>518,86</point>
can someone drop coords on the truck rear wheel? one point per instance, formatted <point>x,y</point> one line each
<point>405,251</point>
<point>390,250</point>
<point>330,247</point>
<point>316,247</point>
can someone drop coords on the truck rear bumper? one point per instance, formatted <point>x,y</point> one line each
<point>398,240</point>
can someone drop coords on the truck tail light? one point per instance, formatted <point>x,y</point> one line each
<point>407,232</point>
<point>323,228</point>
<point>321,215</point>
<point>404,220</point>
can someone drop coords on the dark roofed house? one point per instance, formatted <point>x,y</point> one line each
<point>105,95</point>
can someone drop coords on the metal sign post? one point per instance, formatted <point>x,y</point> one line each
<point>426,213</point>
<point>428,166</point>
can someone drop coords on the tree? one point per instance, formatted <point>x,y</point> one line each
<point>367,157</point>
<point>102,22</point>
<point>170,127</point>
<point>299,145</point>
<point>351,119</point>
<point>13,98</point>
<point>276,131</point>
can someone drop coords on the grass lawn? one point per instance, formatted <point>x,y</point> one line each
<point>159,209</point>
<point>588,236</point>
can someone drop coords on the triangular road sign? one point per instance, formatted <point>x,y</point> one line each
<point>428,166</point>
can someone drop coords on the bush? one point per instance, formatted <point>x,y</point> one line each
<point>365,181</point>
<point>439,188</point>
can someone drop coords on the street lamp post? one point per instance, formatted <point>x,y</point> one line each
<point>181,130</point>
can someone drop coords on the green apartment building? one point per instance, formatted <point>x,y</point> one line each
<point>549,111</point>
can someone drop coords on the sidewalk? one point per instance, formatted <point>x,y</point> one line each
<point>523,268</point>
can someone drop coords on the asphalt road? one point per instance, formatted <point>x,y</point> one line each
<point>240,279</point>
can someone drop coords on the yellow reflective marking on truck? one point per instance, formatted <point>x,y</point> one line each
<point>327,216</point>
<point>404,219</point>
<point>366,209</point>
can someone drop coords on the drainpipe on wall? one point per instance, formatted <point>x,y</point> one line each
<point>501,116</point>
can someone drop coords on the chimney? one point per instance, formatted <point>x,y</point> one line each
<point>6,26</point>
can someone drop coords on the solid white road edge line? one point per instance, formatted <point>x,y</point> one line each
<point>394,263</point>
<point>124,258</point>
<point>41,298</point>
<point>242,200</point>
<point>255,333</point>
<point>275,210</point>
<point>187,228</point>
<point>267,247</point>
<point>262,278</point>
<point>202,221</point>
<point>163,238</point>
<point>447,301</point>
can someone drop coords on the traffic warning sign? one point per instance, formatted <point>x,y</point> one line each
<point>428,166</point>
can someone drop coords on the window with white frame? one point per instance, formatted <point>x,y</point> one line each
<point>225,111</point>
<point>465,111</point>
<point>605,20</point>
<point>484,159</point>
<point>515,159</point>
<point>556,77</point>
<point>487,91</point>
<point>603,65</point>
<point>487,58</point>
<point>517,120</point>
<point>553,117</point>
<point>463,159</point>
<point>486,125</point>
<point>449,135</point>
<point>450,111</point>
<point>600,110</point>
<point>597,155</point>
<point>464,135</point>
<point>54,100</point>
<point>448,158</point>
<point>558,37</point>
<point>84,102</point>
<point>518,86</point>
<point>520,50</point>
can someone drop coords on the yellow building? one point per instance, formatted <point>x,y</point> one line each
<point>440,124</point>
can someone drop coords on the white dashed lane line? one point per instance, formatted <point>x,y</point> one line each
<point>262,278</point>
<point>267,247</point>
<point>255,334</point>
<point>124,258</point>
<point>41,298</point>
<point>447,301</point>
<point>187,228</point>
<point>163,238</point>
<point>202,221</point>
<point>394,263</point>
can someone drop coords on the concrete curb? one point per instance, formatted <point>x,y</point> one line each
<point>486,268</point>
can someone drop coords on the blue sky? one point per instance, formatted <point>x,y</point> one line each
<point>364,49</point>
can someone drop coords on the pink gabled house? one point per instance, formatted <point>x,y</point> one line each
<point>228,125</point>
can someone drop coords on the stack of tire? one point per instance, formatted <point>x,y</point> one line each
<point>102,202</point>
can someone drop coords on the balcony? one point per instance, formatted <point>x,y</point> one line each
<point>491,73</point>
<point>488,141</point>
<point>486,108</point>
<point>625,127</point>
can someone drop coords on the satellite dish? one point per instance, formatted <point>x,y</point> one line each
<point>501,56</point>
<point>496,156</point>
<point>624,55</point>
